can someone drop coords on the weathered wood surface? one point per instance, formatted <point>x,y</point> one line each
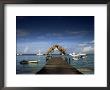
<point>57,65</point>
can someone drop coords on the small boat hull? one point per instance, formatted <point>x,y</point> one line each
<point>76,59</point>
<point>27,62</point>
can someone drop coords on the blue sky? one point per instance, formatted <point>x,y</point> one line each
<point>74,33</point>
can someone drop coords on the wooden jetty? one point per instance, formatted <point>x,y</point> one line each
<point>57,65</point>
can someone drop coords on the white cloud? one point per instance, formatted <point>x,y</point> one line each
<point>86,43</point>
<point>26,49</point>
<point>88,49</point>
<point>76,32</point>
<point>82,45</point>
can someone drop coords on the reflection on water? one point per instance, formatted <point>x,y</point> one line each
<point>85,65</point>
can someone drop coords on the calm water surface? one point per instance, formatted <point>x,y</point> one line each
<point>86,66</point>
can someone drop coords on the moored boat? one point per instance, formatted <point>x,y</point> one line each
<point>78,56</point>
<point>27,62</point>
<point>39,53</point>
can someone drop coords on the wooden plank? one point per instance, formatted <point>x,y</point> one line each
<point>57,65</point>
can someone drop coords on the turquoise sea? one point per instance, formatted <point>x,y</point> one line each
<point>85,65</point>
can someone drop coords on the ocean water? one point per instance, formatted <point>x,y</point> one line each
<point>86,65</point>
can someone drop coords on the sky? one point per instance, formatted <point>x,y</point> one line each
<point>74,33</point>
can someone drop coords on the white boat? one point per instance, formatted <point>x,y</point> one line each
<point>27,62</point>
<point>83,55</point>
<point>78,56</point>
<point>75,56</point>
<point>32,61</point>
<point>18,54</point>
<point>39,53</point>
